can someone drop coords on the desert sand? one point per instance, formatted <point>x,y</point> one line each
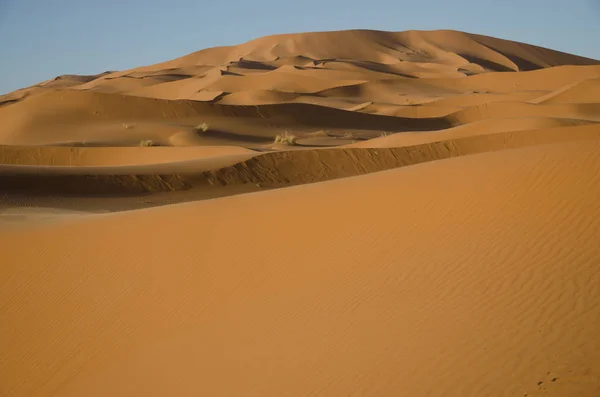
<point>351,213</point>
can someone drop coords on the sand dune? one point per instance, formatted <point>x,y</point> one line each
<point>319,214</point>
<point>452,69</point>
<point>274,169</point>
<point>506,303</point>
<point>428,75</point>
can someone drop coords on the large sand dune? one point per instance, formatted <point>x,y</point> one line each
<point>471,276</point>
<point>353,213</point>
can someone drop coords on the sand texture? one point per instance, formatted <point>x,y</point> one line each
<point>351,213</point>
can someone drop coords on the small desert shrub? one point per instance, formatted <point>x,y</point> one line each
<point>202,127</point>
<point>286,138</point>
<point>146,143</point>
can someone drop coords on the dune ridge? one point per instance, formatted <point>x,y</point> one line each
<point>273,169</point>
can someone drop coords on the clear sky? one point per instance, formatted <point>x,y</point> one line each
<point>40,39</point>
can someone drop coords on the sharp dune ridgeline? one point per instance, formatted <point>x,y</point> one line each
<point>346,213</point>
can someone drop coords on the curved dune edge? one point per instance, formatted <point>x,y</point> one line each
<point>579,111</point>
<point>457,272</point>
<point>309,166</point>
<point>273,169</point>
<point>585,91</point>
<point>482,127</point>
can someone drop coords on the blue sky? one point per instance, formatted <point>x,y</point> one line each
<point>40,39</point>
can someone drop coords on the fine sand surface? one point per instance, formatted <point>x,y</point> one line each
<point>353,213</point>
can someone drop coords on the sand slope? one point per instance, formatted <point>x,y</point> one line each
<point>452,270</point>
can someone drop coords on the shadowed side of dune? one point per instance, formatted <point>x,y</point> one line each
<point>276,169</point>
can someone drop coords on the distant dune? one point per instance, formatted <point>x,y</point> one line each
<point>358,72</point>
<point>319,214</point>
